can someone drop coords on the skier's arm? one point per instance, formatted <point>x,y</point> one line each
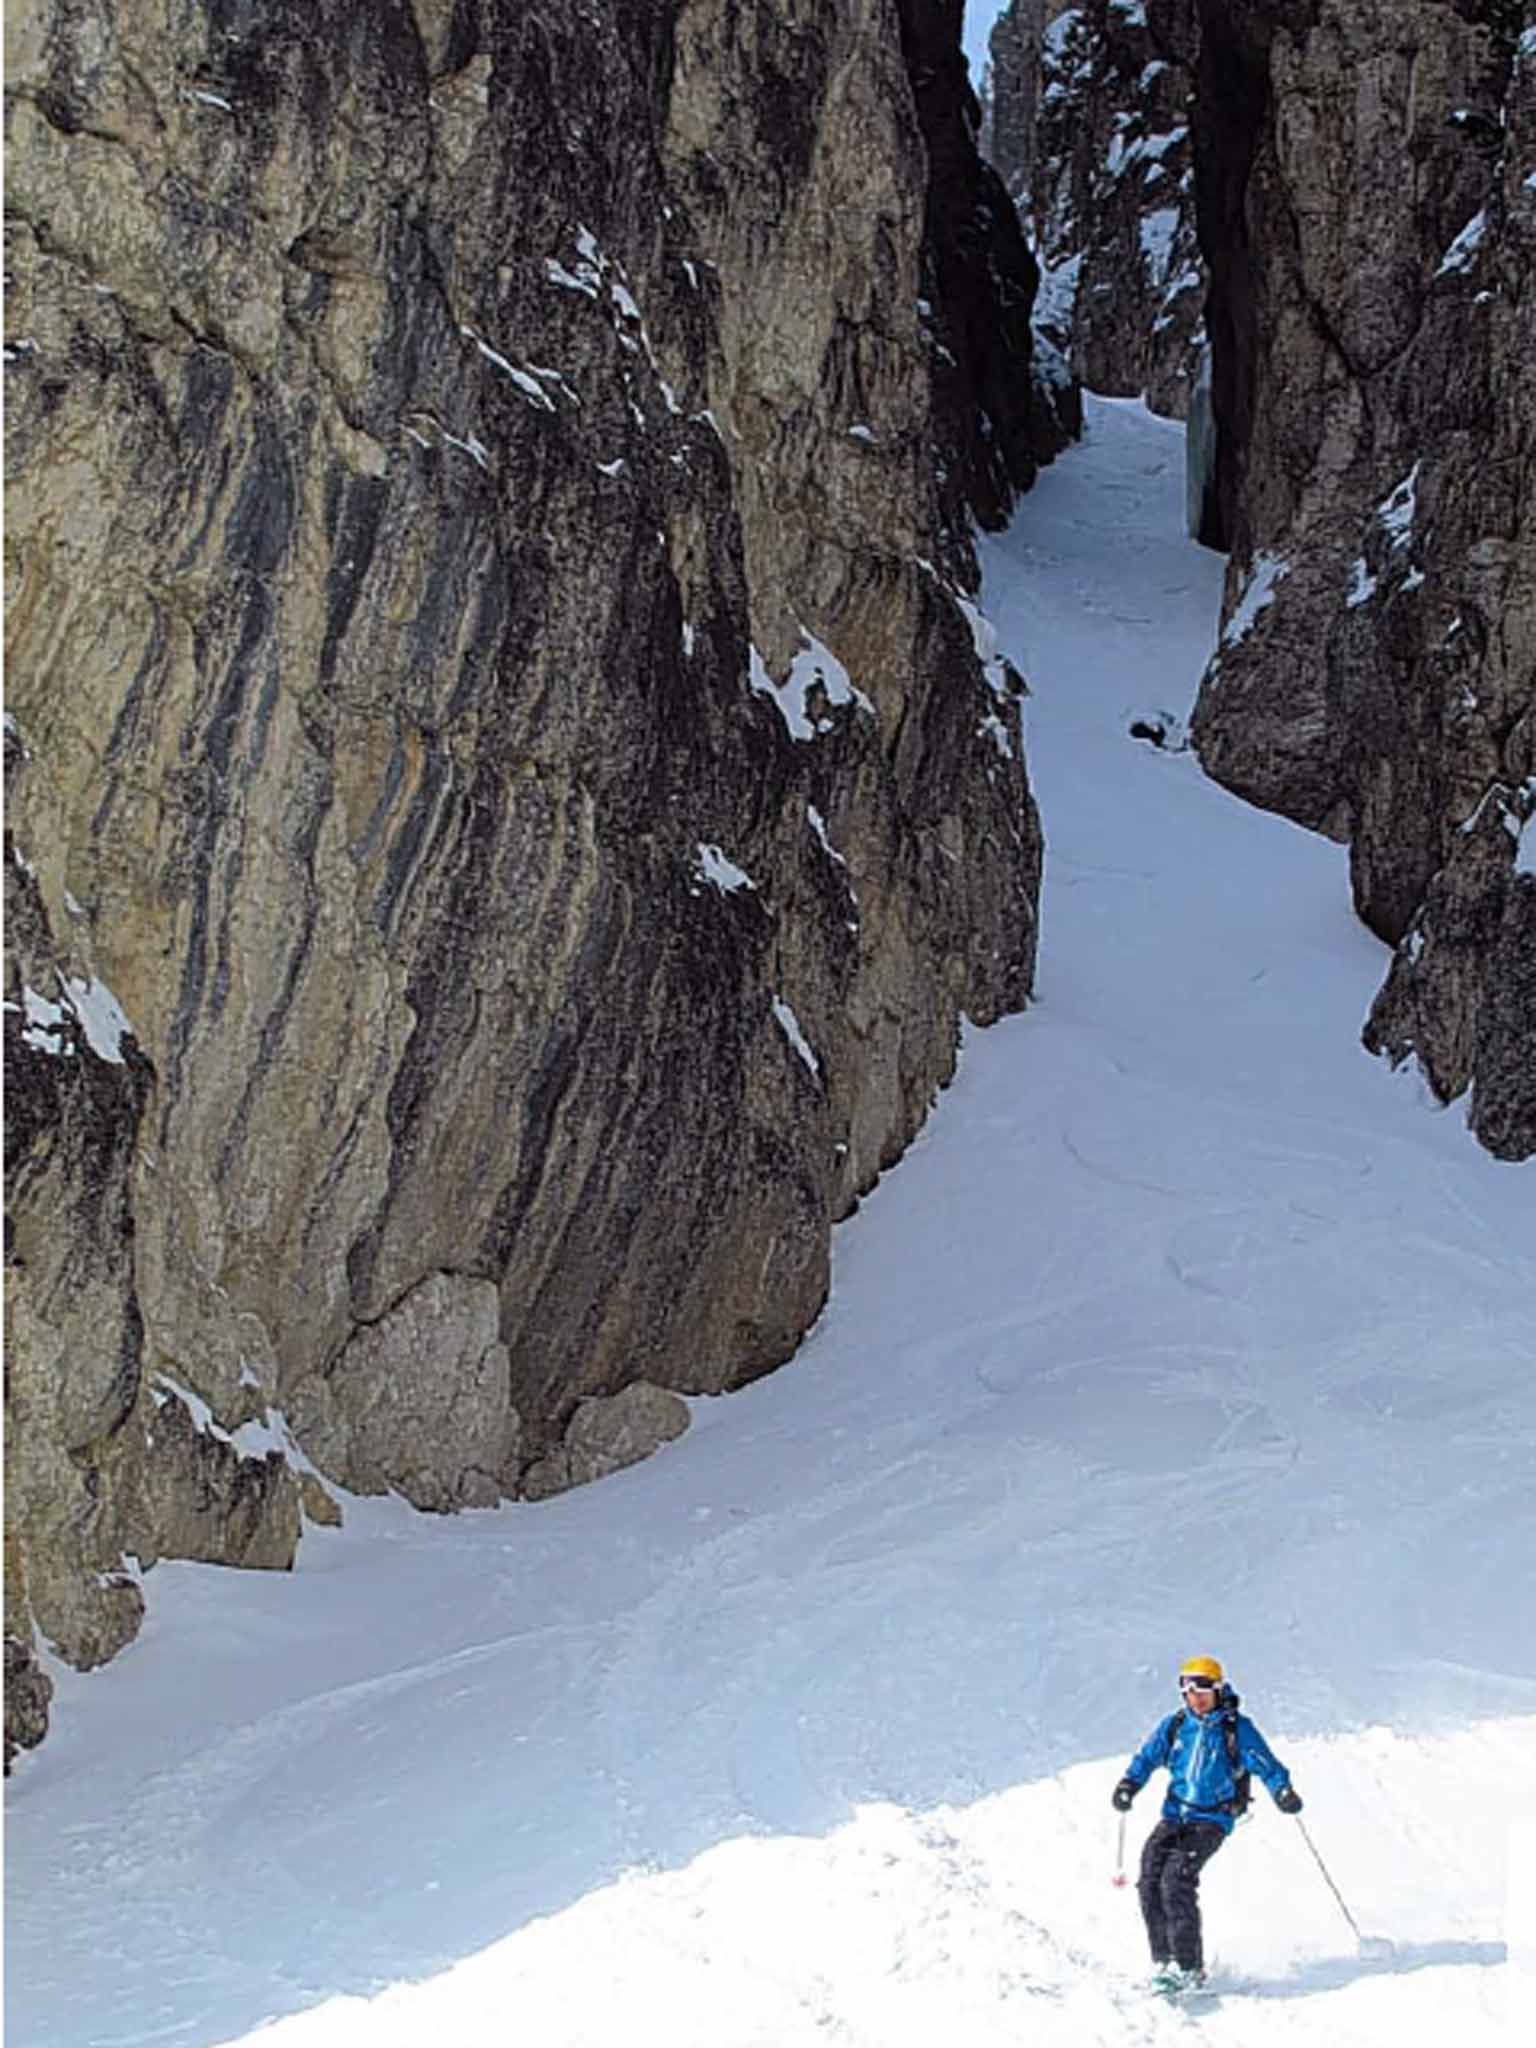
<point>1153,1751</point>
<point>1264,1764</point>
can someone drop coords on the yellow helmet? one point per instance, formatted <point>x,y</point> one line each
<point>1202,1667</point>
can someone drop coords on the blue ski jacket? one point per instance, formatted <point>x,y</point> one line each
<point>1201,1784</point>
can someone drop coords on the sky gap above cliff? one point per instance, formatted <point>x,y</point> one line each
<point>1185,1326</point>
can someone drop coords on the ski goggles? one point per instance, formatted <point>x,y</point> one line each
<point>1198,1685</point>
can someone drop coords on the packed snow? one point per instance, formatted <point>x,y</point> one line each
<point>1463,251</point>
<point>1184,1327</point>
<point>720,871</point>
<point>1157,237</point>
<point>1399,509</point>
<point>818,825</point>
<point>1362,584</point>
<point>1265,577</point>
<point>528,385</point>
<point>792,1029</point>
<point>813,665</point>
<point>83,1002</point>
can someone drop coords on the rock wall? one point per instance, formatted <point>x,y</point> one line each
<point>978,287</point>
<point>508,795</point>
<point>1368,206</point>
<point>1090,131</point>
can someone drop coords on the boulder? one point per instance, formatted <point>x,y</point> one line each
<point>604,1435</point>
<point>419,1402</point>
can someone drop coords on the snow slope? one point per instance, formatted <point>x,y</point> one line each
<point>1184,1327</point>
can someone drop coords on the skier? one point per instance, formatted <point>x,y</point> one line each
<point>1209,1749</point>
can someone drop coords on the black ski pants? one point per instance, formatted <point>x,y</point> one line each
<point>1169,1887</point>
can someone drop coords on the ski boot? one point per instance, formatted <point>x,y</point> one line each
<point>1172,1980</point>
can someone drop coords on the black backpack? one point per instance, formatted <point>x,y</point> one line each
<point>1242,1784</point>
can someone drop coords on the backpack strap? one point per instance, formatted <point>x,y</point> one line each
<point>1238,1803</point>
<point>1229,1732</point>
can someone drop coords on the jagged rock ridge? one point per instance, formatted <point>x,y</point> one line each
<point>1369,213</point>
<point>508,796</point>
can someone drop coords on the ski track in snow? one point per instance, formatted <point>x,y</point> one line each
<point>1184,1325</point>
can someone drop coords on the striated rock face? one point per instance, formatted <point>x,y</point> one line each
<point>103,1462</point>
<point>1367,205</point>
<point>1090,130</point>
<point>508,797</point>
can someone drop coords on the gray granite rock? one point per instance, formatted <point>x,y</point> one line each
<point>497,717</point>
<point>1371,225</point>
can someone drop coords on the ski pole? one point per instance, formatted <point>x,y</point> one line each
<point>1322,1866</point>
<point>1119,1878</point>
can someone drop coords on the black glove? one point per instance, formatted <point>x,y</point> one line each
<point>1125,1792</point>
<point>1288,1799</point>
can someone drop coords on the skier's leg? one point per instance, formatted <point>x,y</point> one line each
<point>1149,1888</point>
<point>1198,1841</point>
